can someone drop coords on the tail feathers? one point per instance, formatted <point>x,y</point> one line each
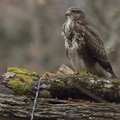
<point>112,73</point>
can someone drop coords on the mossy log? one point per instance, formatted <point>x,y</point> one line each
<point>81,95</point>
<point>102,90</point>
<point>74,86</point>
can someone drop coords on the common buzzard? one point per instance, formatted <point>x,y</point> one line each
<point>84,46</point>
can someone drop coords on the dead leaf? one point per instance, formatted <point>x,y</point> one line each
<point>35,79</point>
<point>49,75</point>
<point>75,100</point>
<point>44,100</point>
<point>9,75</point>
<point>22,80</point>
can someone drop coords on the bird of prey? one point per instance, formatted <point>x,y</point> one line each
<point>84,46</point>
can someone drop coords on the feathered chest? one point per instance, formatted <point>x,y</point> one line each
<point>68,28</point>
<point>73,35</point>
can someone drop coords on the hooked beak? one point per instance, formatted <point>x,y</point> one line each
<point>68,13</point>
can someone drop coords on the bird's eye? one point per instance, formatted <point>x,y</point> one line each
<point>75,11</point>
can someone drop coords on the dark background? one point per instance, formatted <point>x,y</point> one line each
<point>30,32</point>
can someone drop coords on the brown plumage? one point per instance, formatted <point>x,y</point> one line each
<point>84,46</point>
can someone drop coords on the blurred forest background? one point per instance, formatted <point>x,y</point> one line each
<point>30,32</point>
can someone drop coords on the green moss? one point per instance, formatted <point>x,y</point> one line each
<point>22,71</point>
<point>114,89</point>
<point>19,87</point>
<point>86,102</point>
<point>116,82</point>
<point>88,75</point>
<point>59,90</point>
<point>83,82</point>
<point>60,87</point>
<point>21,82</point>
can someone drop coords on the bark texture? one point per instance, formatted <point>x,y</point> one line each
<point>21,106</point>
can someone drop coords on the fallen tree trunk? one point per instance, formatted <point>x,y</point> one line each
<point>20,106</point>
<point>78,90</point>
<point>74,86</point>
<point>79,86</point>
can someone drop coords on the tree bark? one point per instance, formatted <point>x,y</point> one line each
<point>21,106</point>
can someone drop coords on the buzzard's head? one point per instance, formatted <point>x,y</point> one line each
<point>75,13</point>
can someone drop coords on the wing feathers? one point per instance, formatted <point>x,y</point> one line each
<point>96,48</point>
